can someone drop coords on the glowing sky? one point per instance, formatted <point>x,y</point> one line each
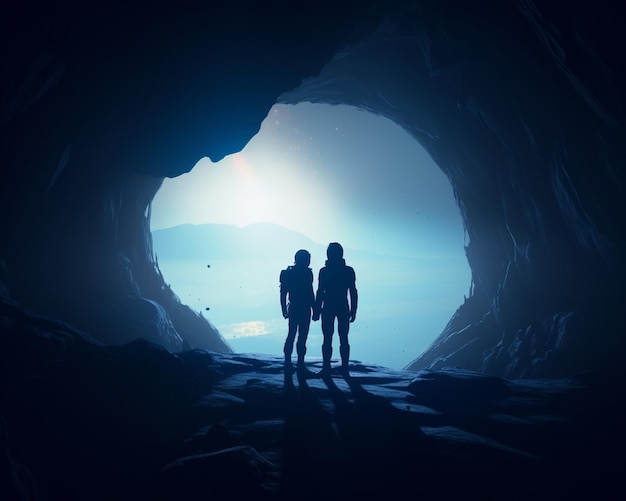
<point>334,173</point>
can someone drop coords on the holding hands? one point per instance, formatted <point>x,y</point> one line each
<point>316,315</point>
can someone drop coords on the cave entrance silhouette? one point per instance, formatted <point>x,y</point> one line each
<point>313,174</point>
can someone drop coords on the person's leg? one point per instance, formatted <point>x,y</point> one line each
<point>303,332</point>
<point>328,328</point>
<point>288,349</point>
<point>343,327</point>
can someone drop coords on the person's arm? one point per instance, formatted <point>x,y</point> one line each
<point>354,297</point>
<point>319,296</point>
<point>283,294</point>
<point>311,293</point>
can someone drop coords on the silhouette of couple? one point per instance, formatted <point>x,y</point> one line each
<point>336,282</point>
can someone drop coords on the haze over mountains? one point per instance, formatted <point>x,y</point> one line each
<point>405,299</point>
<point>227,241</point>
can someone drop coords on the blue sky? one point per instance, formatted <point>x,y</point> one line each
<point>333,173</point>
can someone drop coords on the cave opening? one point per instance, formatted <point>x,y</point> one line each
<point>317,173</point>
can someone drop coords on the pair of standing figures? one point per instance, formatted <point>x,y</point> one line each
<point>336,284</point>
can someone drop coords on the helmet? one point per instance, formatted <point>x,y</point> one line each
<point>334,251</point>
<point>303,257</point>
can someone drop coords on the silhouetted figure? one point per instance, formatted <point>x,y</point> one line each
<point>336,281</point>
<point>296,283</point>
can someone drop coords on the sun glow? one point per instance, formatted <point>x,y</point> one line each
<point>255,200</point>
<point>257,185</point>
<point>328,179</point>
<point>323,174</point>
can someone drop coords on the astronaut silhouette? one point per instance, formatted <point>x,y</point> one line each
<point>297,301</point>
<point>336,282</point>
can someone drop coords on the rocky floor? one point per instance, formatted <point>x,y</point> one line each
<point>84,421</point>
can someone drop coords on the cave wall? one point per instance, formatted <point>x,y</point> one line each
<point>105,100</point>
<point>520,104</point>
<point>522,108</point>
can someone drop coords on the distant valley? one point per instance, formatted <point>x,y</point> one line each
<point>409,300</point>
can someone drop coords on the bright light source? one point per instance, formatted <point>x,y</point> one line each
<point>329,173</point>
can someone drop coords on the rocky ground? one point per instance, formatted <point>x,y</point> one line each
<point>86,421</point>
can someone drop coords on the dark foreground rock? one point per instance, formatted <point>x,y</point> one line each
<point>86,421</point>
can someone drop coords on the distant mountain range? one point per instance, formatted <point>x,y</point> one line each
<point>225,241</point>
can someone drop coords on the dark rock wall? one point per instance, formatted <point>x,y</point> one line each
<point>522,109</point>
<point>106,99</point>
<point>520,104</point>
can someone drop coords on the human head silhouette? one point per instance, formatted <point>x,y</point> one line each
<point>334,252</point>
<point>302,258</point>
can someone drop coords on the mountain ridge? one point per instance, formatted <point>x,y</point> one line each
<point>228,241</point>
